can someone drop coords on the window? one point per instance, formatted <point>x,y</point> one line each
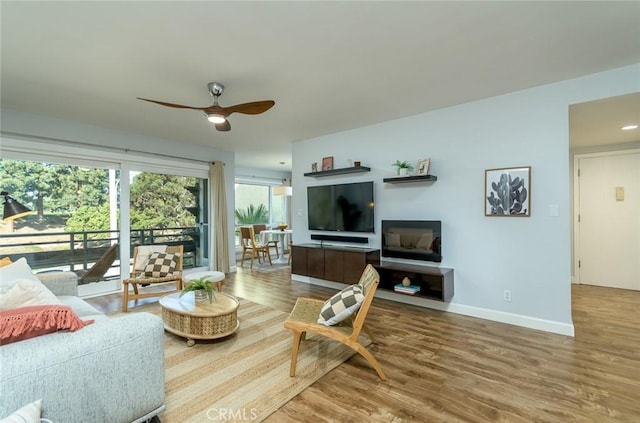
<point>83,200</point>
<point>255,203</point>
<point>169,209</point>
<point>74,220</point>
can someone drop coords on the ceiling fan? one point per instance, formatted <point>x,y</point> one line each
<point>218,114</point>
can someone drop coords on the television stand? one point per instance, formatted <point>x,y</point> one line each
<point>345,265</point>
<point>435,283</point>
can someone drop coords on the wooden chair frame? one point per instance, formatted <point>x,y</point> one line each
<point>304,317</point>
<point>137,278</point>
<point>271,242</point>
<point>248,239</point>
<point>100,268</point>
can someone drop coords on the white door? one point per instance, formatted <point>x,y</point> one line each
<point>608,229</point>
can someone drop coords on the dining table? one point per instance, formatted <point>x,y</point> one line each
<point>281,234</point>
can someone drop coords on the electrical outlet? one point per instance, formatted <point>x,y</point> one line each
<point>507,295</point>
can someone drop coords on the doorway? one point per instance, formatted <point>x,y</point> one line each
<point>607,226</point>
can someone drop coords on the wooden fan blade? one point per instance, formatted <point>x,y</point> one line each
<point>253,108</point>
<point>224,126</point>
<point>178,106</point>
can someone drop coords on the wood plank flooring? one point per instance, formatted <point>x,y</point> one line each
<point>444,367</point>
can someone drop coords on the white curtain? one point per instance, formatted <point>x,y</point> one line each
<point>220,257</point>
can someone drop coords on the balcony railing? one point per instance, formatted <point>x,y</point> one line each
<point>79,250</point>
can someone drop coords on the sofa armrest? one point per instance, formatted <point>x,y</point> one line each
<point>110,371</point>
<point>60,283</point>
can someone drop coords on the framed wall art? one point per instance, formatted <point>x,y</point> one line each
<point>327,163</point>
<point>422,168</point>
<point>507,192</point>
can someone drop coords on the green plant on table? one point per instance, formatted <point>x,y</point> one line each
<point>200,284</point>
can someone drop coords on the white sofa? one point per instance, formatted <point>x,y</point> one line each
<point>109,371</point>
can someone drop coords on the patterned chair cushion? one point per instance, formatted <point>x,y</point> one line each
<point>161,264</point>
<point>341,305</point>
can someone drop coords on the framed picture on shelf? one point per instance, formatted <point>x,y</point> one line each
<point>422,168</point>
<point>327,163</point>
<point>507,192</point>
<point>314,167</point>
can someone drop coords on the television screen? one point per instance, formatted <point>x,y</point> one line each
<point>342,207</point>
<point>412,239</point>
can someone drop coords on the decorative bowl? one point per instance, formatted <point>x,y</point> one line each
<point>283,226</point>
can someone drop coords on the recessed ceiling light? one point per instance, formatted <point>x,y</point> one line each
<point>629,127</point>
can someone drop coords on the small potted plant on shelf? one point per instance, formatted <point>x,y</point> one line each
<point>403,167</point>
<point>201,287</point>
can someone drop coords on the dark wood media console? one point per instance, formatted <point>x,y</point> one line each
<point>345,265</point>
<point>331,263</point>
<point>436,283</point>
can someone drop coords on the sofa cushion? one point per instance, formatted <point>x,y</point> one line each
<point>341,305</point>
<point>26,292</point>
<point>161,264</point>
<point>28,322</point>
<point>5,261</point>
<point>30,413</point>
<point>15,271</point>
<point>80,307</point>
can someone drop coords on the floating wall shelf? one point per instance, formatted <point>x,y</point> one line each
<point>411,178</point>
<point>343,171</point>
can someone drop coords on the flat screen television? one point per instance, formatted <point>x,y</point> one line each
<point>341,207</point>
<point>412,239</point>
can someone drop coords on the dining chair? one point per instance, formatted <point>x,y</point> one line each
<point>249,244</point>
<point>259,227</point>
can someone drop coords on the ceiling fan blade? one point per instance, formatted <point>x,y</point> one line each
<point>253,108</point>
<point>224,126</point>
<point>178,106</point>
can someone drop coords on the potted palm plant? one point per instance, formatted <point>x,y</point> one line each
<point>201,287</point>
<point>403,167</point>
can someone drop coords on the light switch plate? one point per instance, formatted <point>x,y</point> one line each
<point>619,193</point>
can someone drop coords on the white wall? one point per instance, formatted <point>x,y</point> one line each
<point>529,256</point>
<point>59,134</point>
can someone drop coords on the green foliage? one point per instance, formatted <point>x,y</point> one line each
<point>403,165</point>
<point>90,219</point>
<point>54,188</point>
<point>252,215</point>
<point>159,201</point>
<point>200,284</point>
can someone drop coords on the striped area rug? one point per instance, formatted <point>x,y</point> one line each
<point>244,377</point>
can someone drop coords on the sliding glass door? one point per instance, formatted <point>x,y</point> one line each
<point>74,221</point>
<point>170,209</point>
<point>81,208</point>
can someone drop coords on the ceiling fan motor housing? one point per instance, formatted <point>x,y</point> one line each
<point>215,88</point>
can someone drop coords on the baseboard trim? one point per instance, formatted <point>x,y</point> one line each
<point>466,310</point>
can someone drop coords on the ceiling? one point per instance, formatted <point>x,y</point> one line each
<point>329,66</point>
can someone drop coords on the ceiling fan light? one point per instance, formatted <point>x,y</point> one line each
<point>215,118</point>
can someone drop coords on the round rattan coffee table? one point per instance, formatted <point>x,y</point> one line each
<point>193,320</point>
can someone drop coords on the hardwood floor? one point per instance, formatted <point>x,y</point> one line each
<point>444,367</point>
